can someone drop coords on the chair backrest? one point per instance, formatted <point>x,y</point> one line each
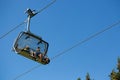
<point>29,39</point>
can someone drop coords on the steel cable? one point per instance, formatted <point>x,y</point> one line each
<point>65,51</point>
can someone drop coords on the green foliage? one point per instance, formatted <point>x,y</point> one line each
<point>87,76</point>
<point>115,75</point>
<point>118,66</point>
<point>78,79</point>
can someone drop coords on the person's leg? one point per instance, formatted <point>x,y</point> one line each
<point>40,57</point>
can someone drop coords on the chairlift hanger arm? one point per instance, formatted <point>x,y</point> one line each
<point>32,13</point>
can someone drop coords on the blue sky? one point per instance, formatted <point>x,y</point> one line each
<point>62,25</point>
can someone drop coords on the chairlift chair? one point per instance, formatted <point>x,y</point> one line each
<point>26,38</point>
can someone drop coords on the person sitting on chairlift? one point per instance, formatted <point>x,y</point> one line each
<point>27,49</point>
<point>38,54</point>
<point>41,56</point>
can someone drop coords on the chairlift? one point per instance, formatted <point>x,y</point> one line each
<point>26,43</point>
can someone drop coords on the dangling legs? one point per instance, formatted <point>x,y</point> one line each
<point>40,57</point>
